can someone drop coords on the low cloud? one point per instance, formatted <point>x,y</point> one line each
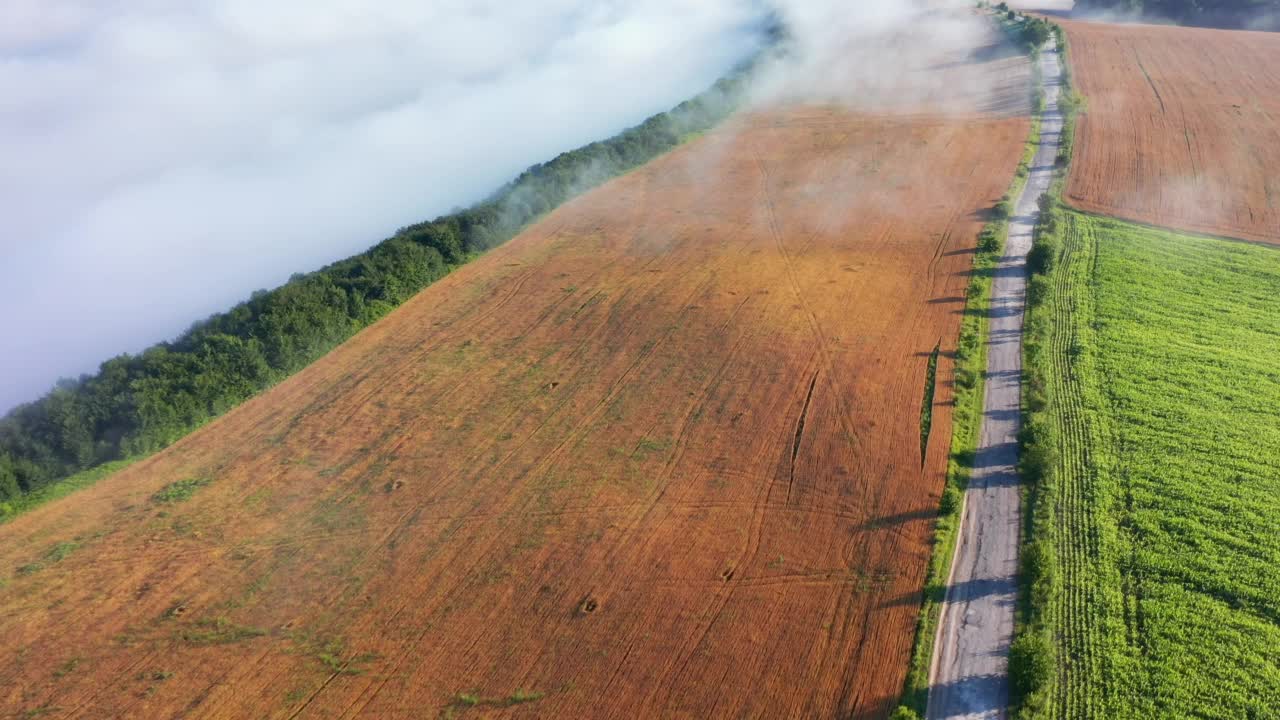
<point>162,160</point>
<point>906,56</point>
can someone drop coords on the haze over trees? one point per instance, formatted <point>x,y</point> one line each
<point>137,404</point>
<point>163,161</point>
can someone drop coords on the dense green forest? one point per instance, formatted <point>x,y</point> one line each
<point>137,404</point>
<point>1255,14</point>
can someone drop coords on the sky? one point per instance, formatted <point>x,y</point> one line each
<point>159,161</point>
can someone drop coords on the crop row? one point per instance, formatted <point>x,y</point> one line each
<point>1154,454</point>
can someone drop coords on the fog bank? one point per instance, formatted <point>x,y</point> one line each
<point>162,161</point>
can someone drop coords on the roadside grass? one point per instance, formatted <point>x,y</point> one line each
<point>1155,450</point>
<point>1034,652</point>
<point>966,423</point>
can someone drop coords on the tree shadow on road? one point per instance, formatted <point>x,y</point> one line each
<point>984,696</point>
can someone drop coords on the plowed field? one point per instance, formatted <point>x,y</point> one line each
<point>1182,127</point>
<point>657,456</point>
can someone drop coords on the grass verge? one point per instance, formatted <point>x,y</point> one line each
<point>1033,653</point>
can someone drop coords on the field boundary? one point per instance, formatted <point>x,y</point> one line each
<point>1199,235</point>
<point>968,395</point>
<point>1034,664</point>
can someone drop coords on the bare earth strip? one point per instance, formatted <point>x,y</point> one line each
<point>969,675</point>
<point>1182,127</point>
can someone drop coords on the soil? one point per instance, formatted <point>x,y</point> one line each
<point>657,456</point>
<point>1182,127</point>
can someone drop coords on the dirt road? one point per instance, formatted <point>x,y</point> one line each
<point>969,677</point>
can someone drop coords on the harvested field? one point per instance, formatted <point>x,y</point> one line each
<point>1182,127</point>
<point>660,455</point>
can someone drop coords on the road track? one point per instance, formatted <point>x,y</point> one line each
<point>969,675</point>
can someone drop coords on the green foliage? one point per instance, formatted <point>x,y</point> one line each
<point>9,489</point>
<point>988,240</point>
<point>56,553</point>
<point>952,497</point>
<point>1027,32</point>
<point>61,488</point>
<point>1034,32</point>
<point>524,696</point>
<point>926,406</point>
<point>179,490</point>
<point>333,656</point>
<point>137,404</point>
<point>1003,209</point>
<point>1155,447</point>
<point>1044,251</point>
<point>1031,664</point>
<point>67,667</point>
<point>966,423</point>
<point>473,699</point>
<point>219,631</point>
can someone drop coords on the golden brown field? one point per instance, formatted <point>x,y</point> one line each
<point>1182,127</point>
<point>657,456</point>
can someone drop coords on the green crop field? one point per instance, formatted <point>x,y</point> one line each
<point>1153,449</point>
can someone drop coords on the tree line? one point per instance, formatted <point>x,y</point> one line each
<point>137,404</point>
<point>1027,32</point>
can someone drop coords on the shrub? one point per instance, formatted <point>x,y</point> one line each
<point>951,498</point>
<point>1030,663</point>
<point>989,240</point>
<point>904,713</point>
